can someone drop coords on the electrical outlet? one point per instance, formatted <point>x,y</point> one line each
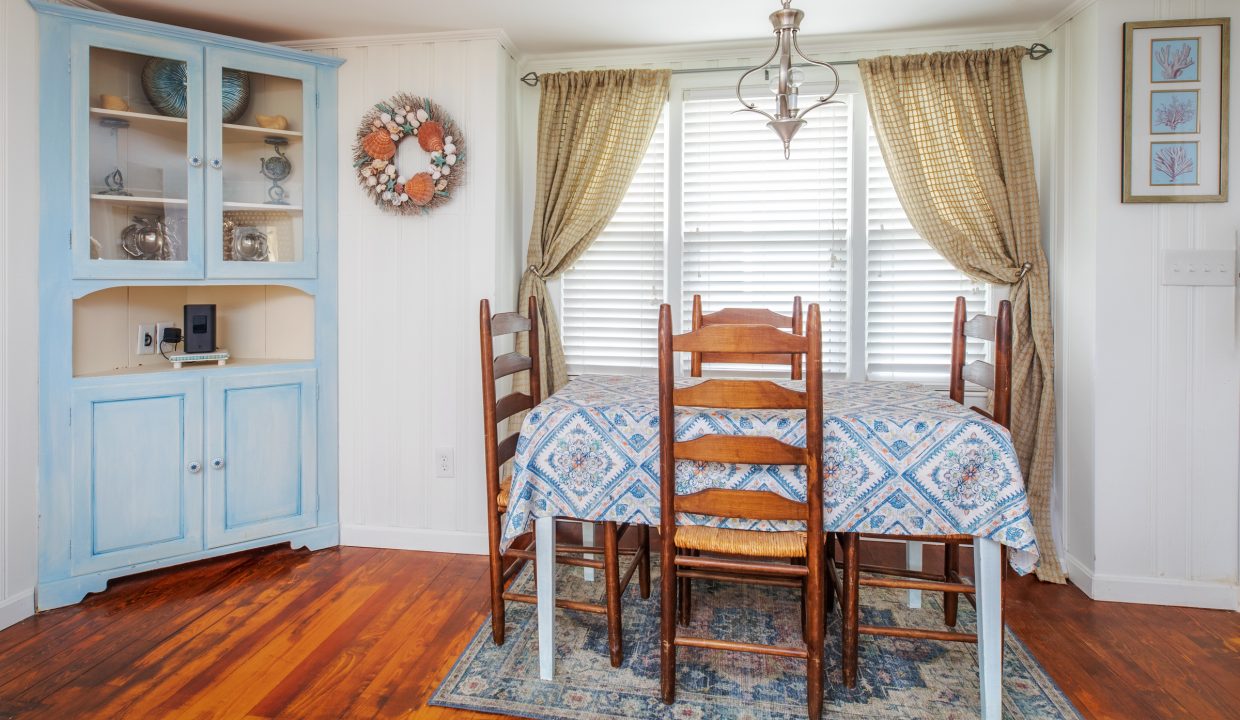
<point>146,343</point>
<point>444,463</point>
<point>159,334</point>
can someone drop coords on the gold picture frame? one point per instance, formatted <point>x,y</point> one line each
<point>1164,59</point>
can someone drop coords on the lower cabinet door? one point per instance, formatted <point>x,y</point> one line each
<point>260,470</point>
<point>137,480</point>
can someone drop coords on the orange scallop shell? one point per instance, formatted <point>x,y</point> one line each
<point>420,188</point>
<point>430,136</point>
<point>379,145</point>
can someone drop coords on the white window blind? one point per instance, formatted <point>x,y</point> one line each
<point>910,289</point>
<point>611,296</point>
<point>759,229</point>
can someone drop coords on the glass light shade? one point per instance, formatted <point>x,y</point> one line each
<point>796,77</point>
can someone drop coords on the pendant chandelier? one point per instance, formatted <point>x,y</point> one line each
<point>788,119</point>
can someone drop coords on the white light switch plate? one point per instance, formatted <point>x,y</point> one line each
<point>1199,267</point>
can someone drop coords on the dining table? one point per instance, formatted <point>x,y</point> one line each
<point>899,458</point>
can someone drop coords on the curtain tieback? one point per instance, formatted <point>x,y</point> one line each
<point>1024,270</point>
<point>534,271</point>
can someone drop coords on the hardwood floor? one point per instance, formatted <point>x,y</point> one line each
<point>358,632</point>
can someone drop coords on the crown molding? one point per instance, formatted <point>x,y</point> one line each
<point>1064,16</point>
<point>84,4</point>
<point>831,47</point>
<point>498,35</point>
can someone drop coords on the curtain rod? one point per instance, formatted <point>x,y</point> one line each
<point>1036,51</point>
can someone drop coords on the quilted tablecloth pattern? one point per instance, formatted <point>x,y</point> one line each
<point>898,458</point>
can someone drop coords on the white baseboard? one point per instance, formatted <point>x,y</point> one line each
<point>17,608</point>
<point>1154,591</point>
<point>398,538</point>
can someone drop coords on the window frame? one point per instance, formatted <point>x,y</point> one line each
<point>706,82</point>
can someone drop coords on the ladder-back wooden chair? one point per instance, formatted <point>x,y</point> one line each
<point>996,377</point>
<point>753,505</point>
<point>747,316</point>
<point>505,566</point>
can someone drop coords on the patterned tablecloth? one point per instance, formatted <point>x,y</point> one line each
<point>899,458</point>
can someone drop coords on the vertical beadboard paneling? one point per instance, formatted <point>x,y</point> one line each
<point>19,202</point>
<point>409,291</point>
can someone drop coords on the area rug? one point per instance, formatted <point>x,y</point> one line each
<point>897,678</point>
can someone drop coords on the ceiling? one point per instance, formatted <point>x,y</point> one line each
<point>548,26</point>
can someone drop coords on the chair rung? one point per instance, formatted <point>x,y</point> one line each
<point>712,644</point>
<point>560,603</point>
<point>731,577</point>
<point>901,572</point>
<point>928,585</point>
<point>559,559</point>
<point>919,633</point>
<point>740,566</point>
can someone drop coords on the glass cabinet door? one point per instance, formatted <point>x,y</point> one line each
<point>261,166</point>
<point>138,175</point>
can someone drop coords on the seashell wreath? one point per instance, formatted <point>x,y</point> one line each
<point>374,155</point>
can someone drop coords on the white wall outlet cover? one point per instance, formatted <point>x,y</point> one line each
<point>145,343</point>
<point>445,465</point>
<point>1199,267</point>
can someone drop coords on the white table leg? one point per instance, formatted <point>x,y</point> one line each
<point>587,538</point>
<point>544,568</point>
<point>988,579</point>
<point>913,562</point>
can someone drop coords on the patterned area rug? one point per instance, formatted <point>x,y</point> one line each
<point>898,678</point>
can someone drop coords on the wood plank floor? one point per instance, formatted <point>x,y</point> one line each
<point>358,632</point>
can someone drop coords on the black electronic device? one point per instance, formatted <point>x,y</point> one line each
<point>199,330</point>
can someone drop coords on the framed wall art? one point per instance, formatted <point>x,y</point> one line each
<point>1175,110</point>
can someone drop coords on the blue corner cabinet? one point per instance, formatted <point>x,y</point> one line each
<point>182,168</point>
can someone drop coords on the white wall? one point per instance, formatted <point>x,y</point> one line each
<point>19,233</point>
<point>1152,372</point>
<point>409,292</point>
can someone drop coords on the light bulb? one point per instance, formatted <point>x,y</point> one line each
<point>796,77</point>
<point>774,84</point>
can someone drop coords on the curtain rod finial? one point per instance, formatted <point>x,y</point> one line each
<point>1037,51</point>
<point>530,78</point>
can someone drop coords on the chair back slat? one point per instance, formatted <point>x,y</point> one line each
<point>981,327</point>
<point>744,449</point>
<point>748,504</point>
<point>508,323</point>
<point>511,404</point>
<point>995,376</point>
<point>511,363</point>
<point>507,449</point>
<point>494,368</point>
<point>747,316</point>
<point>979,372</point>
<point>739,394</point>
<point>739,339</point>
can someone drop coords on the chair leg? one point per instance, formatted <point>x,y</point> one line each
<point>685,596</point>
<point>852,576</point>
<point>497,586</point>
<point>611,569</point>
<point>643,570</point>
<point>815,630</point>
<point>667,617</point>
<point>828,565</point>
<point>951,566</point>
<point>804,600</point>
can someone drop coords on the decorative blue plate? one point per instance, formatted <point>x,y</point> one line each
<point>165,83</point>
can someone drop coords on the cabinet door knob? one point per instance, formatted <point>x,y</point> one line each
<point>194,466</point>
<point>217,463</point>
<point>195,161</point>
<point>216,163</point>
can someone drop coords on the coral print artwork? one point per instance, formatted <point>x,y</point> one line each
<point>1173,163</point>
<point>1174,60</point>
<point>1173,111</point>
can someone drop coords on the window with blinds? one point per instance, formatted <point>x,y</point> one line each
<point>611,296</point>
<point>759,229</point>
<point>910,289</point>
<point>753,230</point>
